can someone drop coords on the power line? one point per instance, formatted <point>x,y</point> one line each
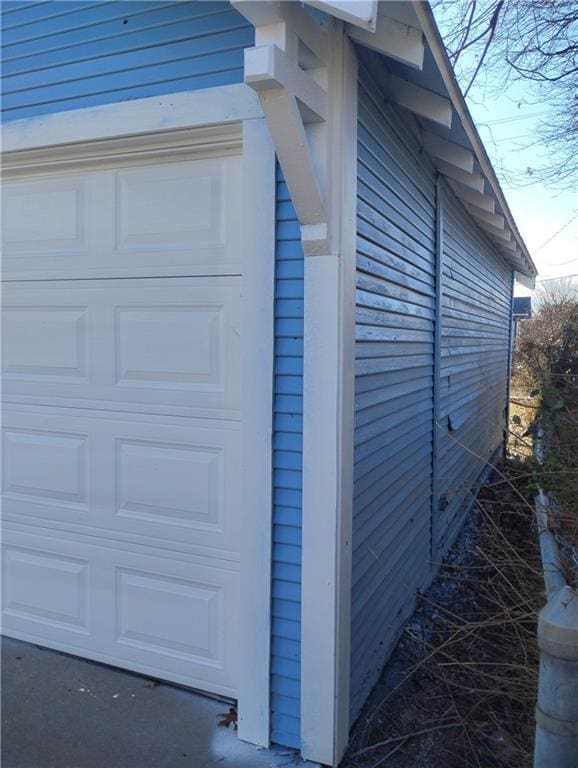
<point>560,277</point>
<point>501,120</point>
<point>563,263</point>
<point>549,240</point>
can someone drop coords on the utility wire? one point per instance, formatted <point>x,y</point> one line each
<point>549,240</point>
<point>560,277</point>
<point>514,119</point>
<point>563,263</point>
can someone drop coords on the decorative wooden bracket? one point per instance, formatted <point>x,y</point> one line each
<point>290,44</point>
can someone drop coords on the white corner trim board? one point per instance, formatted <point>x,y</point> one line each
<point>145,131</point>
<point>258,192</point>
<point>328,433</point>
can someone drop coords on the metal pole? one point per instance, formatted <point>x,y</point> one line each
<point>556,743</point>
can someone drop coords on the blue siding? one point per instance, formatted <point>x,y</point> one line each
<point>433,297</point>
<point>476,301</point>
<point>66,55</point>
<point>287,479</point>
<point>394,382</point>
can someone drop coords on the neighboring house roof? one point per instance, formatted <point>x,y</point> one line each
<point>522,307</point>
<point>435,74</point>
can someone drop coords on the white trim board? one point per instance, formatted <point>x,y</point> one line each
<point>207,107</point>
<point>258,192</point>
<point>204,116</point>
<point>328,386</point>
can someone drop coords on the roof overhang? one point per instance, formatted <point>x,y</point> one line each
<point>419,77</point>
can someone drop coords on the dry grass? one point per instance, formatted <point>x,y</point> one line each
<point>465,687</point>
<point>524,406</point>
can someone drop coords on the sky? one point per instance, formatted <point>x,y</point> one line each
<point>547,219</point>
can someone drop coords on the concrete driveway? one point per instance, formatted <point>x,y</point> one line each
<point>59,711</point>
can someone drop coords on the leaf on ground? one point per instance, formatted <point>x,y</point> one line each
<point>228,718</point>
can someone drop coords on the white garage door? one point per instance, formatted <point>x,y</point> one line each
<point>122,415</point>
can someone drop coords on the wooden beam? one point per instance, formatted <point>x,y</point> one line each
<point>258,12</point>
<point>292,147</point>
<point>485,202</point>
<point>512,247</point>
<point>391,38</point>
<point>362,13</point>
<point>526,280</point>
<point>504,235</point>
<point>281,35</point>
<point>266,16</point>
<point>448,151</point>
<point>421,101</point>
<point>495,219</point>
<point>268,68</point>
<point>473,180</point>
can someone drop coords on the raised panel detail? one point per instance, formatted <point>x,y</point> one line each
<point>45,588</point>
<point>178,347</point>
<point>44,215</point>
<point>47,466</point>
<point>171,616</point>
<point>170,206</point>
<point>178,484</point>
<point>44,342</point>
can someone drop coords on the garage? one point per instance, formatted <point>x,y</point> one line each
<point>122,412</point>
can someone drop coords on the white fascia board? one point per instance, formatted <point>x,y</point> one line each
<point>392,38</point>
<point>362,13</point>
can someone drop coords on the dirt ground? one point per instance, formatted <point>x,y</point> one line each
<point>460,687</point>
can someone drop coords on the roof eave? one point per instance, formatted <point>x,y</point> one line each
<point>436,45</point>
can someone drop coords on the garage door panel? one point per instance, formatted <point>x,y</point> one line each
<point>45,588</point>
<point>150,344</point>
<point>45,343</point>
<point>121,412</point>
<point>158,219</point>
<point>46,218</point>
<point>153,480</point>
<point>173,619</point>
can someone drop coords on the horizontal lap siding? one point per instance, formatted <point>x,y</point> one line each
<point>287,482</point>
<point>395,300</point>
<point>66,55</point>
<point>476,305</point>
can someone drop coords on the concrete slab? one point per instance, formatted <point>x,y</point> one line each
<point>59,711</point>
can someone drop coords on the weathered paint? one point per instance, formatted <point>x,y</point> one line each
<point>437,350</point>
<point>394,382</point>
<point>287,477</point>
<point>65,55</point>
<point>476,316</point>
